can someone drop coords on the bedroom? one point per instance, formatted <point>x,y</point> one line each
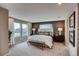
<point>40,28</point>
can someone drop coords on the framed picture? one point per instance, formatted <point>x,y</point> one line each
<point>72,20</point>
<point>72,37</point>
<point>72,29</point>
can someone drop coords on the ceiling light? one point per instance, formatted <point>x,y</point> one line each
<point>58,17</point>
<point>59,3</point>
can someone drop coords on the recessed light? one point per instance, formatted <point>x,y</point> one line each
<point>59,3</point>
<point>58,17</point>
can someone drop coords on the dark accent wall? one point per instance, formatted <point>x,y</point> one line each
<point>59,24</point>
<point>56,25</point>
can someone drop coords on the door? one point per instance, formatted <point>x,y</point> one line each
<point>20,32</point>
<point>17,32</point>
<point>24,32</point>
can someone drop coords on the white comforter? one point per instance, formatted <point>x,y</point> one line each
<point>41,38</point>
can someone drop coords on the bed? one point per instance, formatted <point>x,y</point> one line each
<point>41,41</point>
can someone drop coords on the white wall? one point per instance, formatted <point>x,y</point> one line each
<point>11,28</point>
<point>72,50</point>
<point>78,33</point>
<point>4,48</point>
<point>29,28</point>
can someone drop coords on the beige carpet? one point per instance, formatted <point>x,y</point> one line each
<point>23,49</point>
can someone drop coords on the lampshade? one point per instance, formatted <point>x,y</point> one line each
<point>33,29</point>
<point>60,29</point>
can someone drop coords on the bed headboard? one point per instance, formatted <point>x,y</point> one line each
<point>45,33</point>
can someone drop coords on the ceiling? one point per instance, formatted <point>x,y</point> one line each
<point>37,12</point>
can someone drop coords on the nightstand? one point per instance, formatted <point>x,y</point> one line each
<point>59,38</point>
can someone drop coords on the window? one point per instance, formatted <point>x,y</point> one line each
<point>17,29</point>
<point>46,27</point>
<point>20,30</point>
<point>24,29</point>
